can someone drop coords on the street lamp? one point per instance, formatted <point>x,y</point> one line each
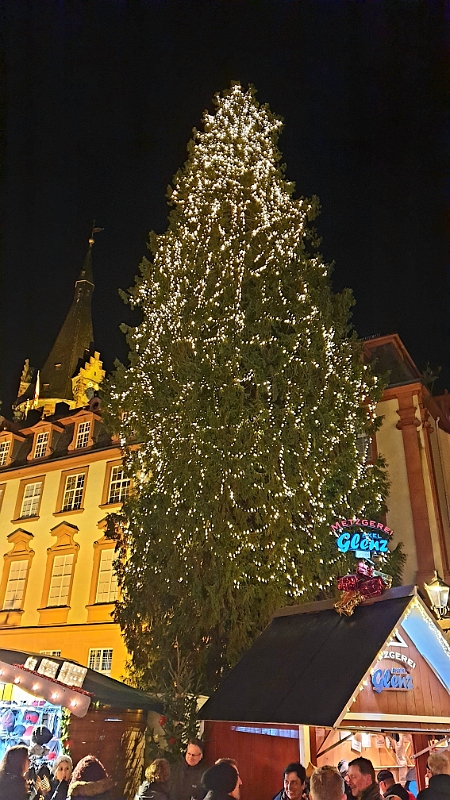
<point>438,592</point>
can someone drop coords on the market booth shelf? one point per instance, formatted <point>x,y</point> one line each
<point>376,683</point>
<point>107,717</point>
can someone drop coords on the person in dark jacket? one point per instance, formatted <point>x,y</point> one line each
<point>156,781</point>
<point>439,783</point>
<point>294,782</point>
<point>186,775</point>
<point>13,768</point>
<point>361,779</point>
<point>90,779</point>
<point>62,773</point>
<point>388,786</point>
<point>221,782</point>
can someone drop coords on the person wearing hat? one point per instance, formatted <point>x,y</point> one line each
<point>221,782</point>
<point>90,779</point>
<point>388,786</point>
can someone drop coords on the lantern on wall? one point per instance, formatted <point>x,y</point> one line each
<point>438,592</point>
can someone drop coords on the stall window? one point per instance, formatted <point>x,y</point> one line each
<point>73,492</point>
<point>15,588</point>
<point>31,499</point>
<point>100,659</point>
<point>118,485</point>
<point>107,580</point>
<point>40,449</point>
<point>83,431</point>
<point>60,580</point>
<point>4,452</point>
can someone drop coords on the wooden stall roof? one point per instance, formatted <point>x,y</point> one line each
<point>104,689</point>
<point>307,665</point>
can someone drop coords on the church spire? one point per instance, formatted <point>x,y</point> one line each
<point>74,339</point>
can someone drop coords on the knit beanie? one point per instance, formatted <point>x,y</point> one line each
<point>220,778</point>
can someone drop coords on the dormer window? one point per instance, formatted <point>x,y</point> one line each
<point>83,431</point>
<point>4,452</point>
<point>40,449</point>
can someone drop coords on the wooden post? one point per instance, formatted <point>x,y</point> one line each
<point>420,742</point>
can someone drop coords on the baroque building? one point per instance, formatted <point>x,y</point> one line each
<point>414,439</point>
<point>60,474</point>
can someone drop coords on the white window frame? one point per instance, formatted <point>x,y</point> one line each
<point>83,434</point>
<point>73,494</point>
<point>107,586</point>
<point>99,658</point>
<point>15,587</point>
<point>40,448</point>
<point>118,485</point>
<point>31,496</point>
<point>62,568</point>
<point>4,452</point>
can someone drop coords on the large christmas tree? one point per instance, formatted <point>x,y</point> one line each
<point>247,393</point>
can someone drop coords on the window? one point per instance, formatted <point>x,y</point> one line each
<point>73,492</point>
<point>118,486</point>
<point>4,452</point>
<point>60,581</point>
<point>15,588</point>
<point>83,431</point>
<point>107,580</point>
<point>56,653</point>
<point>40,449</point>
<point>100,659</point>
<point>30,501</point>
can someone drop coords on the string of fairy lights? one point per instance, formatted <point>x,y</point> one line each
<point>244,390</point>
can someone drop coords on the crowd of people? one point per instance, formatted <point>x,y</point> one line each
<point>89,779</point>
<point>188,780</point>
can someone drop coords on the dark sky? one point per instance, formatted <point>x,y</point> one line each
<point>98,101</point>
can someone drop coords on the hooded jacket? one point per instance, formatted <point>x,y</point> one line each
<point>85,789</point>
<point>372,792</point>
<point>438,789</point>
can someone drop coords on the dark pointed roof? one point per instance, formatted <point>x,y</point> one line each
<point>308,662</point>
<point>74,339</point>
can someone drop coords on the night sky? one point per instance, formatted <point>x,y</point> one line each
<point>98,100</point>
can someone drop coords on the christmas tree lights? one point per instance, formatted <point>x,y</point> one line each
<point>247,392</point>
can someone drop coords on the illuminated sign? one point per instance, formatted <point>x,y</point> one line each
<point>394,678</point>
<point>366,538</point>
<point>362,543</point>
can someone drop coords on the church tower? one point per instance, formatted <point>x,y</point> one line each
<point>73,370</point>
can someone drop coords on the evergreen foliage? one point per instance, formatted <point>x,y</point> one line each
<point>247,391</point>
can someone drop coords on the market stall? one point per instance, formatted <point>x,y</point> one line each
<point>328,686</point>
<point>84,711</point>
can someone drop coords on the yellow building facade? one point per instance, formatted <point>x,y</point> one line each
<point>57,584</point>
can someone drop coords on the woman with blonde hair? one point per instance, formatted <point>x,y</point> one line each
<point>62,773</point>
<point>156,780</point>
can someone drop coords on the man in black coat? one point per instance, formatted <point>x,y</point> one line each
<point>186,775</point>
<point>439,784</point>
<point>388,786</point>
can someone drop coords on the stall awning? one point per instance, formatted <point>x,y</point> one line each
<point>99,687</point>
<point>309,664</point>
